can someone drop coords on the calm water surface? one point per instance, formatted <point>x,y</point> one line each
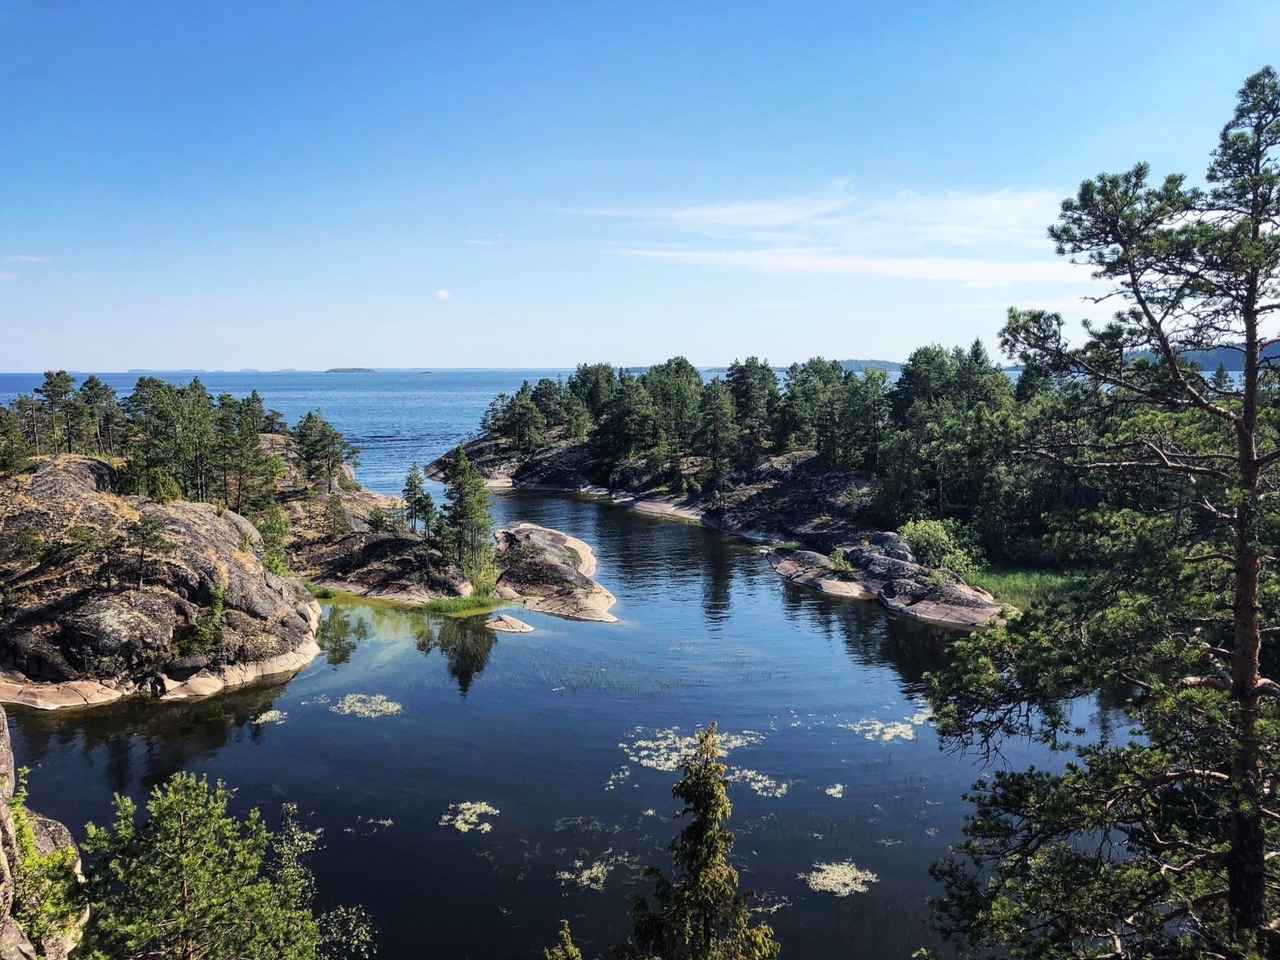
<point>565,732</point>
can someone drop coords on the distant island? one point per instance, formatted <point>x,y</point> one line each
<point>889,366</point>
<point>351,370</point>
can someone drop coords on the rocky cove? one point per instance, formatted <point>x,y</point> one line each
<point>788,498</point>
<point>91,612</point>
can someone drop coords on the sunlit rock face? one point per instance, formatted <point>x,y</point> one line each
<point>82,601</point>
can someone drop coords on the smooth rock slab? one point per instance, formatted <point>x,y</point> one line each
<point>508,624</point>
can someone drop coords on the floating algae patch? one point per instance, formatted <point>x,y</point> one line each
<point>667,750</point>
<point>363,705</point>
<point>615,779</point>
<point>841,878</point>
<point>271,716</point>
<point>467,816</point>
<point>835,790</point>
<point>764,785</point>
<point>591,876</point>
<point>768,903</point>
<point>318,700</point>
<point>888,732</point>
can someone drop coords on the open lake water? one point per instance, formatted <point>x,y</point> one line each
<point>571,733</point>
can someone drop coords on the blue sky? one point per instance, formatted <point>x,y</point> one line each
<point>246,184</point>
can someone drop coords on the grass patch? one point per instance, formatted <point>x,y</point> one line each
<point>472,604</point>
<point>1022,587</point>
<point>319,592</point>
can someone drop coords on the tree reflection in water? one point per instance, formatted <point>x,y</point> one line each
<point>464,642</point>
<point>339,634</point>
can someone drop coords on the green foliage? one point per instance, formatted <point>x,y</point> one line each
<point>1158,837</point>
<point>319,592</point>
<point>699,913</point>
<point>206,633</point>
<point>323,451</point>
<point>147,536</point>
<point>1021,587</point>
<point>275,530</point>
<point>565,949</point>
<point>335,517</point>
<point>941,543</point>
<point>379,521</point>
<point>468,520</point>
<point>30,544</point>
<point>192,880</point>
<point>46,894</point>
<point>472,604</point>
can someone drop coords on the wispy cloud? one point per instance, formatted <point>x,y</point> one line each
<point>26,258</point>
<point>480,243</point>
<point>972,237</point>
<point>968,271</point>
<point>8,276</point>
<point>442,294</point>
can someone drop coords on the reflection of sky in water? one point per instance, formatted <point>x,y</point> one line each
<point>574,733</point>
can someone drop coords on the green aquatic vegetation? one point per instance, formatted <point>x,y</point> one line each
<point>468,815</point>
<point>1024,588</point>
<point>271,716</point>
<point>366,706</point>
<point>841,878</point>
<point>667,749</point>
<point>476,603</point>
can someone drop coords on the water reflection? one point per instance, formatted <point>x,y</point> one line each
<point>340,633</point>
<point>144,743</point>
<point>465,643</point>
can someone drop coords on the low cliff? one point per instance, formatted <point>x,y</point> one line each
<point>95,586</point>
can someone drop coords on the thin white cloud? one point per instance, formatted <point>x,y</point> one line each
<point>976,238</point>
<point>27,258</point>
<point>480,243</point>
<point>969,271</point>
<point>442,294</point>
<point>8,276</point>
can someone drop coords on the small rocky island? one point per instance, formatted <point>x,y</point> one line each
<point>792,497</point>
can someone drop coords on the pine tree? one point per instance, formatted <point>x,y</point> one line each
<point>412,495</point>
<point>468,519</point>
<point>146,535</point>
<point>700,914</point>
<point>194,881</point>
<point>335,517</point>
<point>1163,843</point>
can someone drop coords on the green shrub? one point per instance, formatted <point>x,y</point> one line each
<point>941,543</point>
<point>45,886</point>
<point>319,592</point>
<point>206,633</point>
<point>470,604</point>
<point>30,544</point>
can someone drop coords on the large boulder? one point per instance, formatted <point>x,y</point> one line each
<point>551,572</point>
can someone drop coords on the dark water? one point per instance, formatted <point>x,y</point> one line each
<point>550,729</point>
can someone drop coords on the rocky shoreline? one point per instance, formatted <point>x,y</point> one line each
<point>91,610</point>
<point>787,498</point>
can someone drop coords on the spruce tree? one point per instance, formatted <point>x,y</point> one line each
<point>699,913</point>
